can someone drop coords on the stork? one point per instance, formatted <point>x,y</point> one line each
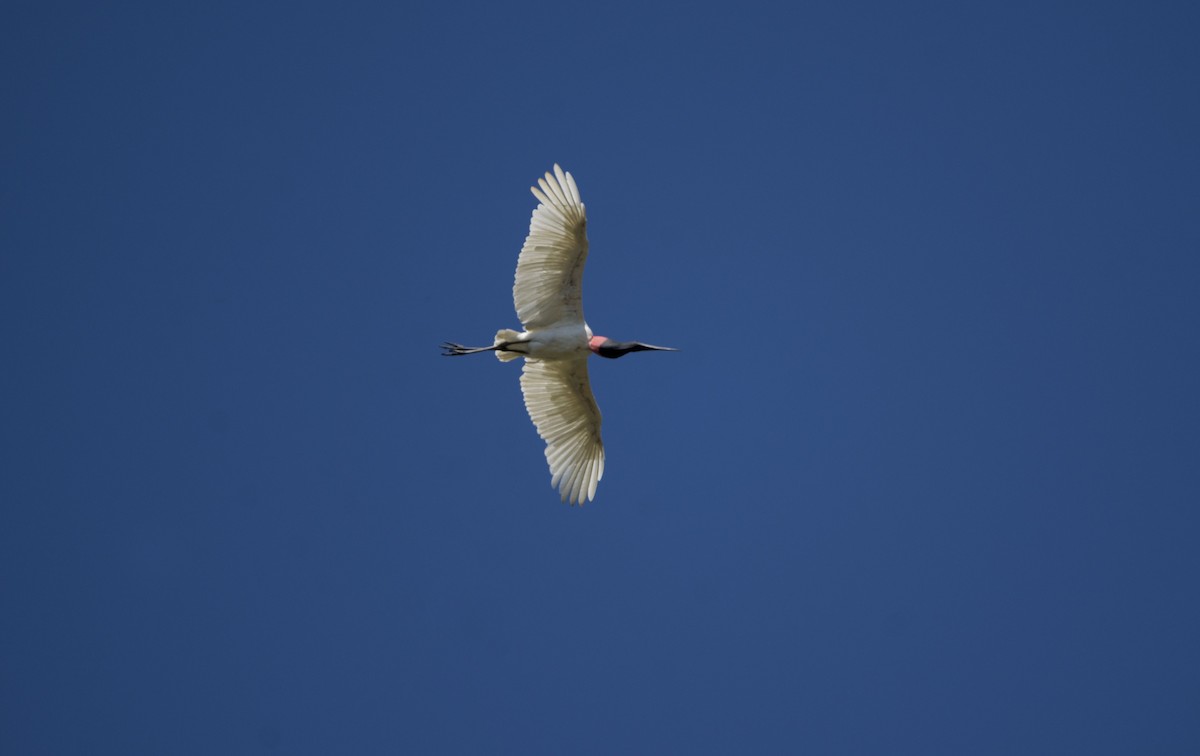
<point>557,342</point>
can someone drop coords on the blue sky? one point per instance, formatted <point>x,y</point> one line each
<point>923,479</point>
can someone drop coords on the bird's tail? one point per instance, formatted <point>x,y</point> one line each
<point>506,335</point>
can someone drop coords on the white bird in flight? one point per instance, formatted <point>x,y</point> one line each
<point>556,341</point>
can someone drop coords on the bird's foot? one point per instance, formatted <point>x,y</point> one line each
<point>450,349</point>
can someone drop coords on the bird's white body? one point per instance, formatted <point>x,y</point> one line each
<point>556,342</point>
<point>561,341</point>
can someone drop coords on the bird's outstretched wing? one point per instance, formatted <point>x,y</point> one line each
<point>559,400</point>
<point>549,280</point>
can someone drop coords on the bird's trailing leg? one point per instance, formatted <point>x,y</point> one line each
<point>450,349</point>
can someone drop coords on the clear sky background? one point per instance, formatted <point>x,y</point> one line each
<point>924,478</point>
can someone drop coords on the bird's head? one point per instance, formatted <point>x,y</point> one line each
<point>606,347</point>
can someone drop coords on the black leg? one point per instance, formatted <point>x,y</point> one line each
<point>450,349</point>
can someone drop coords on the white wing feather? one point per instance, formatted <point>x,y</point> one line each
<point>549,280</point>
<point>559,400</point>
